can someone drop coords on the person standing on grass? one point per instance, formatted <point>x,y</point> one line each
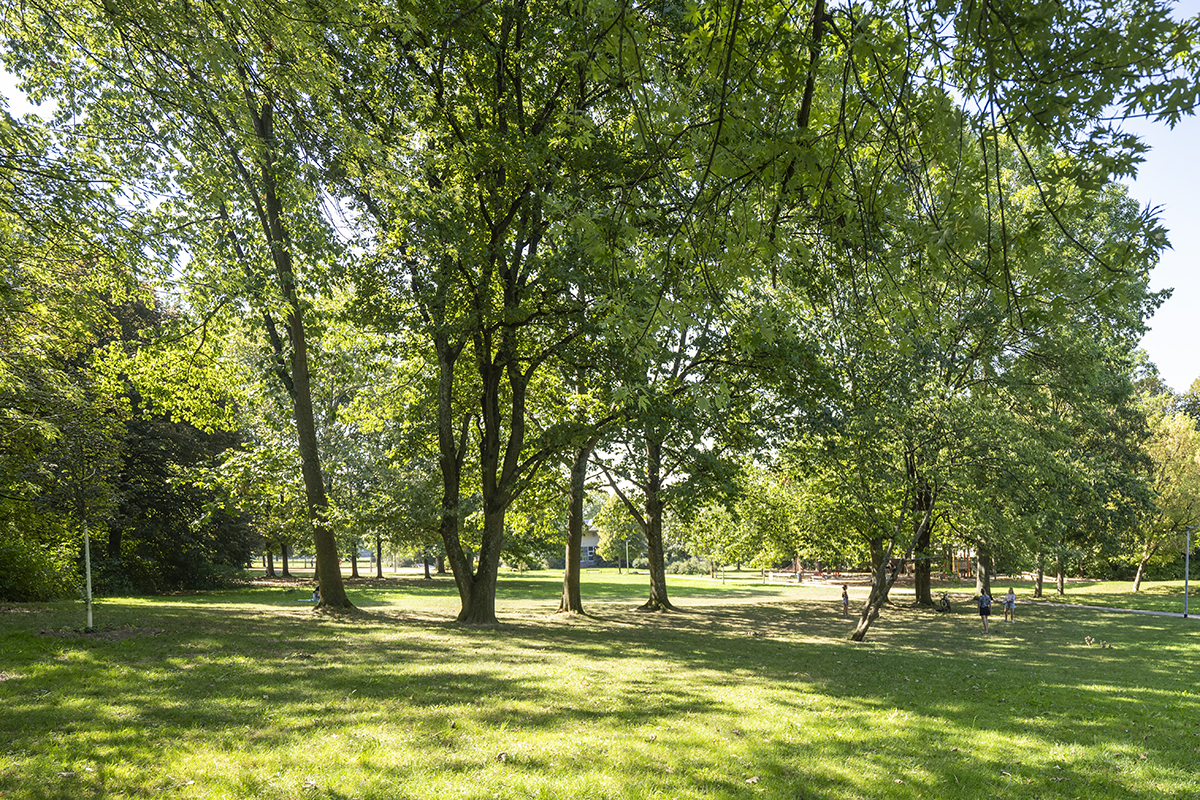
<point>1010,606</point>
<point>845,601</point>
<point>985,608</point>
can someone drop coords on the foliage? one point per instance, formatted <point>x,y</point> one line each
<point>617,529</point>
<point>33,570</point>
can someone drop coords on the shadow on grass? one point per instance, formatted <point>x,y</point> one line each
<point>735,699</point>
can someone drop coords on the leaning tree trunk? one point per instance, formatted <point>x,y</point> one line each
<point>571,601</point>
<point>1147,553</point>
<point>659,601</point>
<point>881,585</point>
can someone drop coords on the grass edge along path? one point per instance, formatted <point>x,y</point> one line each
<point>752,692</point>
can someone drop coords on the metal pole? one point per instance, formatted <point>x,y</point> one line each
<point>627,553</point>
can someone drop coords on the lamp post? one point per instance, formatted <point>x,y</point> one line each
<point>1187,565</point>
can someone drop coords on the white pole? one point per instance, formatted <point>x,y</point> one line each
<point>1187,568</point>
<point>87,568</point>
<point>626,553</point>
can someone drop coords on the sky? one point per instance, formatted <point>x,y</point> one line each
<point>1169,179</point>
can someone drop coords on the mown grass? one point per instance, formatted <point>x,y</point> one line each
<point>1153,596</point>
<point>752,691</point>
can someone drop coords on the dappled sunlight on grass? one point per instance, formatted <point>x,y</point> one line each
<point>750,692</point>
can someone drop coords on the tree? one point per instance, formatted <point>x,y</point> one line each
<point>1174,450</point>
<point>617,530</point>
<point>205,98</point>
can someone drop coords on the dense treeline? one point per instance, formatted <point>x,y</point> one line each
<point>799,280</point>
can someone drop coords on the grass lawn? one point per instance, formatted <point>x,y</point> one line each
<point>753,691</point>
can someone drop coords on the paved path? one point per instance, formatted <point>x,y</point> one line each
<point>1190,615</point>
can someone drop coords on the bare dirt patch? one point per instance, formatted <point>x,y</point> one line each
<point>106,634</point>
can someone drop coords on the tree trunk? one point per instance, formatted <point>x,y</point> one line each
<point>283,560</point>
<point>425,560</point>
<point>479,606</point>
<point>441,564</point>
<point>571,601</point>
<point>270,564</point>
<point>297,382</point>
<point>881,585</point>
<point>983,570</point>
<point>1147,553</point>
<point>655,551</point>
<point>451,451</point>
<point>923,501</point>
<point>1040,575</point>
<point>1062,574</point>
<point>353,560</point>
<point>378,556</point>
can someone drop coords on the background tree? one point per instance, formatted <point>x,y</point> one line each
<point>1174,450</point>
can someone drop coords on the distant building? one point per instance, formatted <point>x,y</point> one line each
<point>588,544</point>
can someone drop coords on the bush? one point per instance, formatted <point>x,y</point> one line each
<point>691,566</point>
<point>31,572</point>
<point>641,563</point>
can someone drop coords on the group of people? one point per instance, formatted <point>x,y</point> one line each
<point>984,602</point>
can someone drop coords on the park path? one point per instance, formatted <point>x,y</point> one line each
<point>1111,608</point>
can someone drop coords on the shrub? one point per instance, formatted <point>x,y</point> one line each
<point>690,566</point>
<point>31,572</point>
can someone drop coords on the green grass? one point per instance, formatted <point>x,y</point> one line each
<point>753,691</point>
<point>1154,595</point>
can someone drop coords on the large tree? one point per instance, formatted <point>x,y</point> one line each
<point>205,98</point>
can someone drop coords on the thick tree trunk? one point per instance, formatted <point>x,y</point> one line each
<point>441,564</point>
<point>425,560</point>
<point>270,564</point>
<point>571,601</point>
<point>656,554</point>
<point>353,554</point>
<point>923,500</point>
<point>283,560</point>
<point>983,570</point>
<point>480,606</point>
<point>922,563</point>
